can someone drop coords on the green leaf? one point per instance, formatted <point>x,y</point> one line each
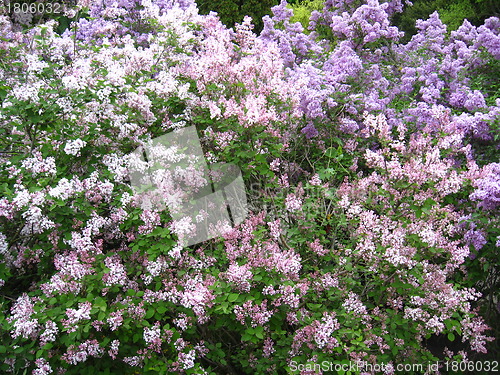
<point>19,350</point>
<point>313,306</point>
<point>161,309</point>
<point>3,92</point>
<point>331,153</point>
<point>451,336</point>
<point>246,337</point>
<point>259,332</point>
<point>149,313</point>
<point>232,297</point>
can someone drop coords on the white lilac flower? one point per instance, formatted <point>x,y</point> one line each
<point>74,147</point>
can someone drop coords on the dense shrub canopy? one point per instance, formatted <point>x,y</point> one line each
<point>372,176</point>
<point>234,11</point>
<point>452,13</point>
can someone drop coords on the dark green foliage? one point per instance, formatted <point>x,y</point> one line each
<point>451,12</point>
<point>302,10</point>
<point>233,11</point>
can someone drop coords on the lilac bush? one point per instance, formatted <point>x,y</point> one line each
<point>372,176</point>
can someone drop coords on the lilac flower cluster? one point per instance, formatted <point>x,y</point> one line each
<point>487,191</point>
<point>376,195</point>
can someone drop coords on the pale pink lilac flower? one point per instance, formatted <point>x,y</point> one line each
<point>354,304</point>
<point>23,323</point>
<point>63,190</point>
<point>187,359</point>
<point>275,228</point>
<point>275,165</point>
<point>258,314</point>
<point>473,330</point>
<point>293,203</point>
<point>318,248</point>
<point>240,276</point>
<point>315,180</point>
<point>74,147</point>
<point>182,321</point>
<point>115,320</point>
<point>117,273</point>
<point>135,360</point>
<point>324,330</point>
<point>43,367</point>
<point>49,333</point>
<point>154,268</point>
<point>268,348</point>
<point>81,352</point>
<point>435,325</point>
<point>152,336</point>
<point>76,315</point>
<point>4,246</point>
<point>183,227</point>
<point>113,349</point>
<point>37,165</point>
